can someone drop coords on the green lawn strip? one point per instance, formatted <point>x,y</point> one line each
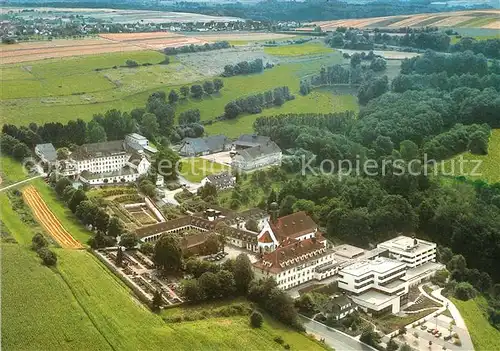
<point>195,169</point>
<point>16,227</point>
<point>484,335</point>
<point>39,312</point>
<point>488,169</point>
<point>389,322</point>
<point>62,212</point>
<point>11,171</point>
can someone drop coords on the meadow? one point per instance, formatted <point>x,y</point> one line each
<point>39,311</point>
<point>194,169</point>
<point>489,168</point>
<point>11,171</point>
<point>81,305</point>
<point>484,336</point>
<point>21,232</point>
<point>128,88</point>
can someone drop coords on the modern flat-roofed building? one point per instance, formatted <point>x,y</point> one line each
<point>376,285</point>
<point>414,252</point>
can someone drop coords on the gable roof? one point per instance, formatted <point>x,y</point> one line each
<point>48,151</point>
<point>251,140</point>
<point>266,238</point>
<point>291,255</point>
<point>95,150</point>
<point>334,305</point>
<point>200,145</point>
<point>221,180</point>
<point>258,151</point>
<point>293,225</point>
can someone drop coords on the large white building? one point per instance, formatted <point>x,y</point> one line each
<point>252,152</point>
<point>414,252</point>
<point>118,161</point>
<point>376,285</point>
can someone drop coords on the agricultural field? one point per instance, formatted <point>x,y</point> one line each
<point>46,217</point>
<point>472,18</point>
<point>128,88</point>
<point>39,311</point>
<point>62,213</point>
<point>298,50</point>
<point>195,169</point>
<point>489,168</point>
<point>484,336</point>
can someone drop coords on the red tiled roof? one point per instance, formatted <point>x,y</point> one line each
<point>293,226</point>
<point>266,238</point>
<point>275,260</point>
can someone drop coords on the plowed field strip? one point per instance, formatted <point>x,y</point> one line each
<point>48,220</point>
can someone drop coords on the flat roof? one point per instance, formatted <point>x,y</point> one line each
<point>412,273</point>
<point>348,251</point>
<point>407,244</point>
<point>377,265</point>
<point>374,297</point>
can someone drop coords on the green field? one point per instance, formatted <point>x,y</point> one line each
<point>134,85</point>
<point>67,219</point>
<point>39,311</point>
<point>298,50</point>
<point>13,223</point>
<point>194,169</point>
<point>11,171</point>
<point>455,39</point>
<point>84,306</point>
<point>489,168</point>
<point>484,336</point>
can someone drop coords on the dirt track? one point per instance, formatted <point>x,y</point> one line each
<point>48,220</point>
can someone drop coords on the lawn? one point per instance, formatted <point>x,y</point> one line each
<point>488,170</point>
<point>194,169</point>
<point>68,219</point>
<point>11,171</point>
<point>39,312</point>
<point>13,223</point>
<point>298,49</point>
<point>484,336</point>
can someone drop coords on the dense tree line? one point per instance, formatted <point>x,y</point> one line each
<point>255,103</point>
<point>243,67</point>
<point>13,147</point>
<point>456,63</point>
<point>197,48</point>
<point>489,47</point>
<point>372,89</point>
<point>442,81</point>
<point>460,138</point>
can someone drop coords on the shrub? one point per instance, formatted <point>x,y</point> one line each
<point>48,257</point>
<point>38,241</point>
<point>279,340</point>
<point>256,319</point>
<point>287,347</point>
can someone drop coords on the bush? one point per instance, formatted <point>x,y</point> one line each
<point>279,340</point>
<point>48,257</point>
<point>256,319</point>
<point>287,347</point>
<point>38,241</point>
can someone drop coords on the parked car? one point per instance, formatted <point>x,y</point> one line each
<point>423,327</point>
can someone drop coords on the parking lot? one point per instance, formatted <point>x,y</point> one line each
<point>435,330</point>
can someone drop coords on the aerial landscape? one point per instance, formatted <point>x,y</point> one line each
<point>254,175</point>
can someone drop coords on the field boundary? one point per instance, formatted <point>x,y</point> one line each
<point>48,220</point>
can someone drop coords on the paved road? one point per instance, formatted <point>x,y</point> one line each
<point>334,338</point>
<point>22,181</point>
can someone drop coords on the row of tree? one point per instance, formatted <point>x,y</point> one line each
<point>13,147</point>
<point>255,103</point>
<point>197,48</point>
<point>489,47</point>
<point>243,67</point>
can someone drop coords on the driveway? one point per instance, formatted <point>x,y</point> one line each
<point>334,338</point>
